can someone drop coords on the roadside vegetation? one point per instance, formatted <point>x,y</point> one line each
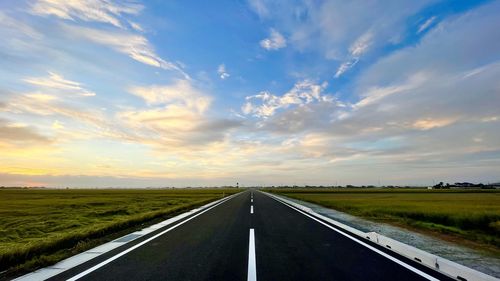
<point>40,227</point>
<point>468,216</point>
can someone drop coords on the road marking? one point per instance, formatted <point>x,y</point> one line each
<point>252,268</point>
<point>251,209</point>
<point>251,200</point>
<point>403,264</point>
<point>99,265</point>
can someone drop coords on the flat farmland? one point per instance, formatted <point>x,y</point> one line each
<point>463,216</point>
<point>39,227</point>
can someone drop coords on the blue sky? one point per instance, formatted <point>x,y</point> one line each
<point>176,93</point>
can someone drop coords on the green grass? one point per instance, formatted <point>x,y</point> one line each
<point>40,227</point>
<point>472,215</point>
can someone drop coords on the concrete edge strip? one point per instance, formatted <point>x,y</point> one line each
<point>441,265</point>
<point>66,264</point>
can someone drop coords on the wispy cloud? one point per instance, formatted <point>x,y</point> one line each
<point>124,35</point>
<point>175,117</point>
<point>361,45</point>
<point>275,41</point>
<point>57,81</point>
<point>104,11</point>
<point>221,70</point>
<point>13,24</point>
<point>430,123</point>
<point>345,66</point>
<point>259,6</point>
<point>426,24</point>
<point>87,121</point>
<point>135,46</point>
<point>356,51</point>
<point>376,94</point>
<point>136,26</point>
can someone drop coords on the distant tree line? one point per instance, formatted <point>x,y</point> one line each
<point>466,185</point>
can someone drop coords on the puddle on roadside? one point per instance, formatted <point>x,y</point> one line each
<point>462,255</point>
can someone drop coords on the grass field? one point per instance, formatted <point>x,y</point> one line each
<point>472,215</point>
<point>40,227</point>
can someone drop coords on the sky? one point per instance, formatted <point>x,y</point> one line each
<point>104,93</point>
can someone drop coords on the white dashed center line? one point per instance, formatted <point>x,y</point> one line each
<point>252,271</point>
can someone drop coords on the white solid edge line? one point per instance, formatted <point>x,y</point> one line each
<point>403,264</point>
<point>99,265</point>
<point>252,268</point>
<point>251,209</point>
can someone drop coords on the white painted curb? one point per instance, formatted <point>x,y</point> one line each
<point>50,271</point>
<point>447,267</point>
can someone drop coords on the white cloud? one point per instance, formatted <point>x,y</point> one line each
<point>274,42</point>
<point>181,93</point>
<point>104,11</point>
<point>426,24</point>
<point>177,117</point>
<point>345,66</point>
<point>302,93</point>
<point>221,70</point>
<point>135,46</point>
<point>361,45</point>
<point>57,82</point>
<point>175,128</point>
<point>356,50</point>
<point>247,108</point>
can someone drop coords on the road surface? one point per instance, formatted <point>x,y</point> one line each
<point>250,236</point>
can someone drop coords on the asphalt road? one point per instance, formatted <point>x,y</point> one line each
<point>250,237</point>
